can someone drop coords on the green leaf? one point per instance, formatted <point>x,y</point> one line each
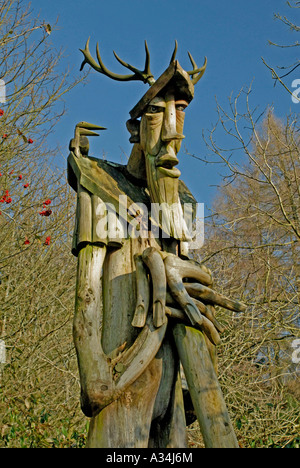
<point>238,423</point>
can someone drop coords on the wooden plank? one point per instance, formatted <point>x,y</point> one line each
<point>205,391</point>
<point>84,218</point>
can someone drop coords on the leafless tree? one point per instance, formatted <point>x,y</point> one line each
<point>281,72</point>
<point>252,246</point>
<point>38,384</point>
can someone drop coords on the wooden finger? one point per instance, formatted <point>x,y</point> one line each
<point>207,312</point>
<point>142,293</point>
<point>208,295</point>
<point>154,262</point>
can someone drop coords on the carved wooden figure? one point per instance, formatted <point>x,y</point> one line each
<point>142,306</point>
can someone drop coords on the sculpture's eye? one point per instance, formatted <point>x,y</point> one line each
<point>181,107</point>
<point>154,109</point>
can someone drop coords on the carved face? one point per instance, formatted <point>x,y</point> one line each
<point>160,140</point>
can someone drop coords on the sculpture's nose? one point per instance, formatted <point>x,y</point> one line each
<point>169,131</point>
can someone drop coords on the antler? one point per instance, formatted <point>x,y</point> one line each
<point>142,75</point>
<point>199,72</point>
<point>174,52</point>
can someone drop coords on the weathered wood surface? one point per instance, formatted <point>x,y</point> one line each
<point>149,414</point>
<point>120,366</point>
<point>122,373</point>
<point>154,262</point>
<point>205,391</point>
<point>176,269</point>
<point>142,294</point>
<point>105,375</point>
<point>84,216</point>
<point>110,182</point>
<point>129,374</point>
<point>174,74</point>
<point>126,422</point>
<point>208,295</point>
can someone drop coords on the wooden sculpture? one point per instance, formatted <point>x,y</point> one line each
<point>142,306</point>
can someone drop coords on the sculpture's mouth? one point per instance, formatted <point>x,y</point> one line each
<point>174,173</point>
<point>166,165</point>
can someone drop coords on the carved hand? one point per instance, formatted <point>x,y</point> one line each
<point>182,290</point>
<point>190,287</point>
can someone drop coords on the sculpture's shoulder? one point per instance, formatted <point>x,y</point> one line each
<point>109,180</point>
<point>108,187</point>
<point>105,179</point>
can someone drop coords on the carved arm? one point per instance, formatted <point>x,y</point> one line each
<point>104,379</point>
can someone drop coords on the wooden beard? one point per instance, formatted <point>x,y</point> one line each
<point>163,176</point>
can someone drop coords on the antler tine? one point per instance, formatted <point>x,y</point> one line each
<point>144,75</point>
<point>100,67</point>
<point>88,58</point>
<point>174,52</point>
<point>110,74</point>
<point>147,62</point>
<point>199,72</point>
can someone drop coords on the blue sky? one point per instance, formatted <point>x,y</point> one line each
<point>232,34</point>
